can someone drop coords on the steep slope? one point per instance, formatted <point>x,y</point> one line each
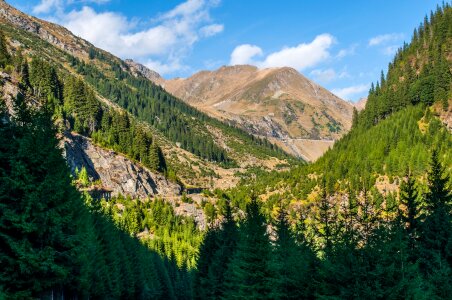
<point>420,72</point>
<point>217,150</point>
<point>277,103</point>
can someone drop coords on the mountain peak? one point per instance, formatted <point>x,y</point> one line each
<point>278,103</point>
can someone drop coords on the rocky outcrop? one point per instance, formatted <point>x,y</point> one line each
<point>118,174</point>
<point>139,69</point>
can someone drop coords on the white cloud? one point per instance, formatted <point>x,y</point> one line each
<point>300,57</point>
<point>384,38</point>
<point>348,92</point>
<point>303,55</point>
<point>211,30</point>
<point>244,54</point>
<point>46,6</point>
<point>328,75</point>
<point>187,8</point>
<point>162,45</point>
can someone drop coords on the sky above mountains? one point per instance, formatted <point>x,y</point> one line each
<point>342,45</point>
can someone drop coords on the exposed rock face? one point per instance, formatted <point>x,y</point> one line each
<point>138,68</point>
<point>117,173</point>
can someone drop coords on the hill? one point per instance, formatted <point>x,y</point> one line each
<point>186,136</point>
<point>277,103</point>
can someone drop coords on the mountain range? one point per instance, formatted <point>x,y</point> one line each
<point>279,104</point>
<point>237,183</point>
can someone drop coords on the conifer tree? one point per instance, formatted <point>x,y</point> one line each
<point>436,231</point>
<point>409,198</point>
<point>227,244</point>
<point>248,272</point>
<point>5,57</point>
<point>38,223</point>
<point>291,264</point>
<point>206,253</point>
<point>156,158</point>
<point>355,118</point>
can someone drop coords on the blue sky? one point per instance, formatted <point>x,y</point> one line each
<point>342,45</point>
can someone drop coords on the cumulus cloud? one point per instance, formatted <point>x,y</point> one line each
<point>327,75</point>
<point>348,92</point>
<point>244,54</point>
<point>162,45</point>
<point>300,57</point>
<point>385,38</point>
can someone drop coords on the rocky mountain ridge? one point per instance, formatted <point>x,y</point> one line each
<point>277,103</point>
<point>60,48</point>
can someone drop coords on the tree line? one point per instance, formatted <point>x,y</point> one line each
<point>346,254</point>
<point>76,107</point>
<point>56,242</point>
<point>420,72</point>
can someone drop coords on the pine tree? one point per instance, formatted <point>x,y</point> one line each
<point>248,272</point>
<point>209,247</point>
<point>227,244</point>
<point>292,265</point>
<point>436,230</point>
<point>409,198</point>
<point>439,196</point>
<point>156,158</point>
<point>355,118</point>
<point>5,57</point>
<point>83,177</point>
<point>38,205</point>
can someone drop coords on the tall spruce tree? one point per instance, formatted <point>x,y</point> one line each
<point>248,272</point>
<point>436,230</point>
<point>409,198</point>
<point>227,244</point>
<point>207,251</point>
<point>292,265</point>
<point>38,210</point>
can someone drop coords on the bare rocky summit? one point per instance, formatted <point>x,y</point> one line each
<point>139,69</point>
<point>277,103</point>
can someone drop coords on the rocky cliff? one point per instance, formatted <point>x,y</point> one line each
<point>117,173</point>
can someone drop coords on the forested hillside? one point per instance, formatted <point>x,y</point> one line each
<point>196,150</point>
<point>56,243</point>
<point>420,72</point>
<point>370,219</point>
<point>111,78</point>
